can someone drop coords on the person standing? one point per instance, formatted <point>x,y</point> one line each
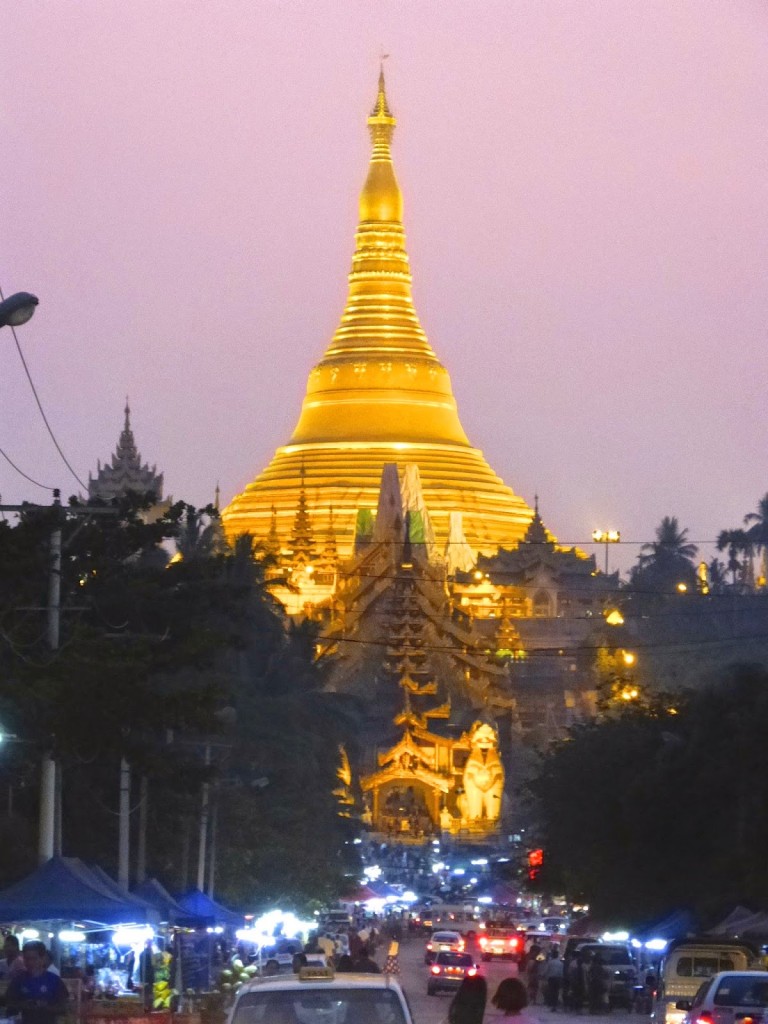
<point>147,975</point>
<point>533,978</point>
<point>577,983</point>
<point>597,985</point>
<point>36,994</point>
<point>12,961</point>
<point>552,975</point>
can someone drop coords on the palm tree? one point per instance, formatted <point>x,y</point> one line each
<point>738,543</point>
<point>758,531</point>
<point>667,561</point>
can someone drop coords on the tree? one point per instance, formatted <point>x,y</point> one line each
<point>189,651</point>
<point>738,542</point>
<point>666,562</point>
<point>625,804</point>
<point>758,531</point>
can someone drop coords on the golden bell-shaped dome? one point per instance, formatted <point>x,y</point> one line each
<point>379,395</point>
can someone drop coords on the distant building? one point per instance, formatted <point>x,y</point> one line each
<point>125,473</point>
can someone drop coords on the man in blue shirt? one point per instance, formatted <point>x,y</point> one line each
<point>39,995</point>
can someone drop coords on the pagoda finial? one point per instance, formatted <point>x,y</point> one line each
<point>127,412</point>
<point>381,109</point>
<point>216,496</point>
<point>536,504</point>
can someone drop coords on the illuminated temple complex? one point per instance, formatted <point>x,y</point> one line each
<point>439,592</point>
<point>379,395</point>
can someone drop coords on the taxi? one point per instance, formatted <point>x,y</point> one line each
<point>317,995</point>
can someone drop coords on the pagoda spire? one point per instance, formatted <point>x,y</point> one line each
<point>379,394</point>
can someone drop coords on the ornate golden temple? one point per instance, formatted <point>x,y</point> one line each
<point>379,395</point>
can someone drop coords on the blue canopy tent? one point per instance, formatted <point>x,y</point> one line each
<point>143,906</point>
<point>154,892</point>
<point>201,909</point>
<point>64,889</point>
<point>676,925</point>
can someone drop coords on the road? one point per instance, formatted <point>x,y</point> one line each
<point>434,1009</point>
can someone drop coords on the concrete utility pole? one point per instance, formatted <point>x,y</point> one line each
<point>124,848</point>
<point>50,793</point>
<point>204,813</point>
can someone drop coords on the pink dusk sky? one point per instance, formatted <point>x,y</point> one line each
<point>586,205</point>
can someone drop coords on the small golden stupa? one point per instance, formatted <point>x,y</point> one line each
<point>379,395</point>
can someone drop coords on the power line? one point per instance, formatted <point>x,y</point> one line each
<point>21,472</point>
<point>64,459</point>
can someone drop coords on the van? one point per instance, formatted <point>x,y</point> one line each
<point>689,962</point>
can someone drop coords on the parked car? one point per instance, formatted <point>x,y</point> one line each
<point>318,996</point>
<point>730,997</point>
<point>448,971</point>
<point>687,963</point>
<point>620,966</point>
<point>442,942</point>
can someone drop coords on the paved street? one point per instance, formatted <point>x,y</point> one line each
<point>434,1009</point>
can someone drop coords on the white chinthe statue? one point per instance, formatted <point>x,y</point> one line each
<point>483,775</point>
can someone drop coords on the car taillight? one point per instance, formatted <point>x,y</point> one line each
<point>471,972</point>
<point>435,969</point>
<point>513,943</point>
<point>461,945</point>
<point>705,1017</point>
<point>483,940</point>
<point>429,945</point>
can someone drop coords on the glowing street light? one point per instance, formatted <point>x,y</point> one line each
<point>17,309</point>
<point>606,537</point>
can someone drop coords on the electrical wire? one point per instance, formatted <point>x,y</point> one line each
<point>64,459</point>
<point>21,472</point>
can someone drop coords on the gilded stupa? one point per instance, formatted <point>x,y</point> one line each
<point>379,395</point>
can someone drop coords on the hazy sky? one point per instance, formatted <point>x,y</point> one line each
<point>586,188</point>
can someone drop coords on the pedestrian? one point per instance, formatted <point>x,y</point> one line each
<point>552,975</point>
<point>468,1005</point>
<point>344,964</point>
<point>597,985</point>
<point>365,964</point>
<point>147,975</point>
<point>511,1000</point>
<point>577,983</point>
<point>533,978</point>
<point>34,992</point>
<point>11,961</point>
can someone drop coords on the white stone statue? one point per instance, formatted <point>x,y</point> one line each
<point>483,775</point>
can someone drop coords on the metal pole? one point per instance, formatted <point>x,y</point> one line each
<point>47,829</point>
<point>141,854</point>
<point>204,810</point>
<point>124,847</point>
<point>212,857</point>
<point>606,557</point>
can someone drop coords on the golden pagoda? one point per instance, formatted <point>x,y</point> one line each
<point>379,395</point>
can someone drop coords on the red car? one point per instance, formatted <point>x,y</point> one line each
<point>448,971</point>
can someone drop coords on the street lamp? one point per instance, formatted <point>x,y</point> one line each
<point>17,309</point>
<point>606,537</point>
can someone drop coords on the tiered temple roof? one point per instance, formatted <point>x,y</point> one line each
<point>125,472</point>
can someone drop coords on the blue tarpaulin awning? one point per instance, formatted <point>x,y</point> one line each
<point>64,889</point>
<point>154,892</point>
<point>202,908</point>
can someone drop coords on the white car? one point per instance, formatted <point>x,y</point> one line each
<point>318,996</point>
<point>730,997</point>
<point>442,942</point>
